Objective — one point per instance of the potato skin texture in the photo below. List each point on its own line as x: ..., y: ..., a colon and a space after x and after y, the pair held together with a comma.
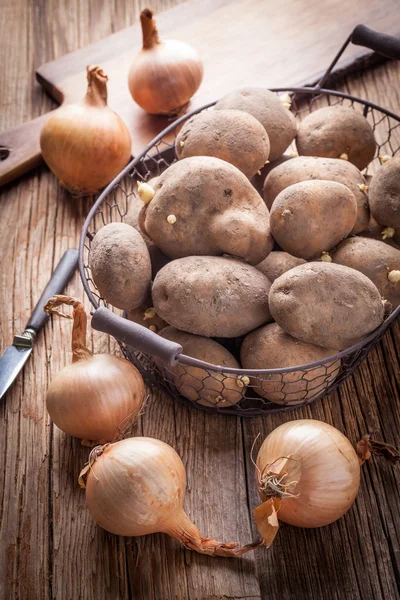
x: 121, y: 266
x: 212, y: 296
x: 384, y: 193
x: 306, y: 168
x: 217, y: 212
x: 269, y: 347
x: 207, y: 388
x: 278, y: 263
x: 259, y: 179
x: 335, y: 130
x: 311, y: 217
x: 373, y: 258
x: 266, y: 107
x: 326, y: 304
x: 232, y: 135
x: 158, y: 258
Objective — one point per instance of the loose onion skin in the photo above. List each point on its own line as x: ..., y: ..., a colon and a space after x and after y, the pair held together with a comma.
x: 95, y: 398
x: 136, y: 487
x: 86, y: 144
x: 164, y: 75
x: 320, y: 470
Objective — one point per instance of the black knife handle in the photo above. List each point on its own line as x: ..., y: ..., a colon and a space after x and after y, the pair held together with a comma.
x: 61, y: 276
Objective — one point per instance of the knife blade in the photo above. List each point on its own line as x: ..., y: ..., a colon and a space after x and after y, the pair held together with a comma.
x: 15, y: 356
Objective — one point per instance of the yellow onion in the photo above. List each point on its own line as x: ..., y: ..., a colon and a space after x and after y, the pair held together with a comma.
x: 164, y: 75
x: 86, y: 144
x: 136, y: 487
x: 96, y: 397
x: 308, y: 473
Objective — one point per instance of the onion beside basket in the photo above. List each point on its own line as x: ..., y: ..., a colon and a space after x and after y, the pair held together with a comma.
x: 153, y: 355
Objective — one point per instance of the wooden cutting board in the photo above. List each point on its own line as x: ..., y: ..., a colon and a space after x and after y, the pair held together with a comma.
x: 242, y: 42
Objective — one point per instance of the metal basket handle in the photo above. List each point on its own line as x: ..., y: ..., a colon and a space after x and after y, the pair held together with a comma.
x: 134, y: 335
x: 384, y: 44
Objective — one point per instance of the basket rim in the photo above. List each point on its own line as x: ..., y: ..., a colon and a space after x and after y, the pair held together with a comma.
x: 327, y: 361
x: 188, y: 360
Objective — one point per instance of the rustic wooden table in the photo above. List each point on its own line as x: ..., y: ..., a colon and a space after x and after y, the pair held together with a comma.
x: 49, y: 547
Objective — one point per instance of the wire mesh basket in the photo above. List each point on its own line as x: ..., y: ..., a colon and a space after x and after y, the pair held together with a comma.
x: 163, y: 364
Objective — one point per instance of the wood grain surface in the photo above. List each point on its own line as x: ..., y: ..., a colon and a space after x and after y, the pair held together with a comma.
x: 239, y: 43
x: 49, y: 547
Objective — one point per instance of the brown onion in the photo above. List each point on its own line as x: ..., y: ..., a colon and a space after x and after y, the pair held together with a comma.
x: 164, y: 75
x: 86, y: 144
x: 308, y: 475
x: 95, y: 398
x: 137, y: 486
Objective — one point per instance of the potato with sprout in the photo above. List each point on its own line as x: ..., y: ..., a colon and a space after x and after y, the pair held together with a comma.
x: 232, y: 135
x: 269, y: 347
x: 205, y: 206
x: 384, y: 194
x: 208, y: 388
x: 266, y: 107
x: 158, y: 258
x: 377, y: 260
x: 337, y: 132
x: 311, y: 217
x: 306, y: 168
x: 146, y: 315
x: 326, y: 304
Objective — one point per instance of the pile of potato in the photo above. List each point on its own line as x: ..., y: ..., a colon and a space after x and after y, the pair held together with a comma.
x: 281, y: 279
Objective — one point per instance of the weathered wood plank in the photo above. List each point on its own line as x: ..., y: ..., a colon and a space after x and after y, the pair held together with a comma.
x: 49, y: 547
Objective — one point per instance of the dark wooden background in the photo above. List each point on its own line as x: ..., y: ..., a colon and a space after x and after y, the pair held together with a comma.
x: 49, y: 547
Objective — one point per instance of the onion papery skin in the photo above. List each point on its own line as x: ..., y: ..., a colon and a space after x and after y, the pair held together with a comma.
x: 163, y: 79
x: 136, y: 487
x: 96, y: 398
x: 330, y: 471
x: 86, y: 144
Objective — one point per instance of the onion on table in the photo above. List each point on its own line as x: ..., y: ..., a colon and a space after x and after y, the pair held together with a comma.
x: 164, y: 75
x: 96, y: 397
x: 86, y: 144
x: 308, y: 475
x: 136, y: 487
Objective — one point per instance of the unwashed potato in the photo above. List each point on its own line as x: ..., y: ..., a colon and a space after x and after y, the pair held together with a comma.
x: 384, y: 194
x: 382, y: 233
x: 146, y: 315
x: 232, y: 135
x: 377, y: 260
x: 208, y: 388
x: 158, y: 258
x: 304, y: 168
x: 205, y: 206
x: 311, y: 217
x: 258, y: 179
x: 212, y: 296
x: 267, y: 108
x: 121, y: 266
x: 337, y: 131
x: 278, y: 263
x: 269, y: 347
x: 326, y: 304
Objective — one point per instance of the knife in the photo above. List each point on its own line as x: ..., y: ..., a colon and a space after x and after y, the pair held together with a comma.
x: 15, y: 356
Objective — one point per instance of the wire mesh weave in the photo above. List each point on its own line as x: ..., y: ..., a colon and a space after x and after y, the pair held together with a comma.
x: 229, y: 390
